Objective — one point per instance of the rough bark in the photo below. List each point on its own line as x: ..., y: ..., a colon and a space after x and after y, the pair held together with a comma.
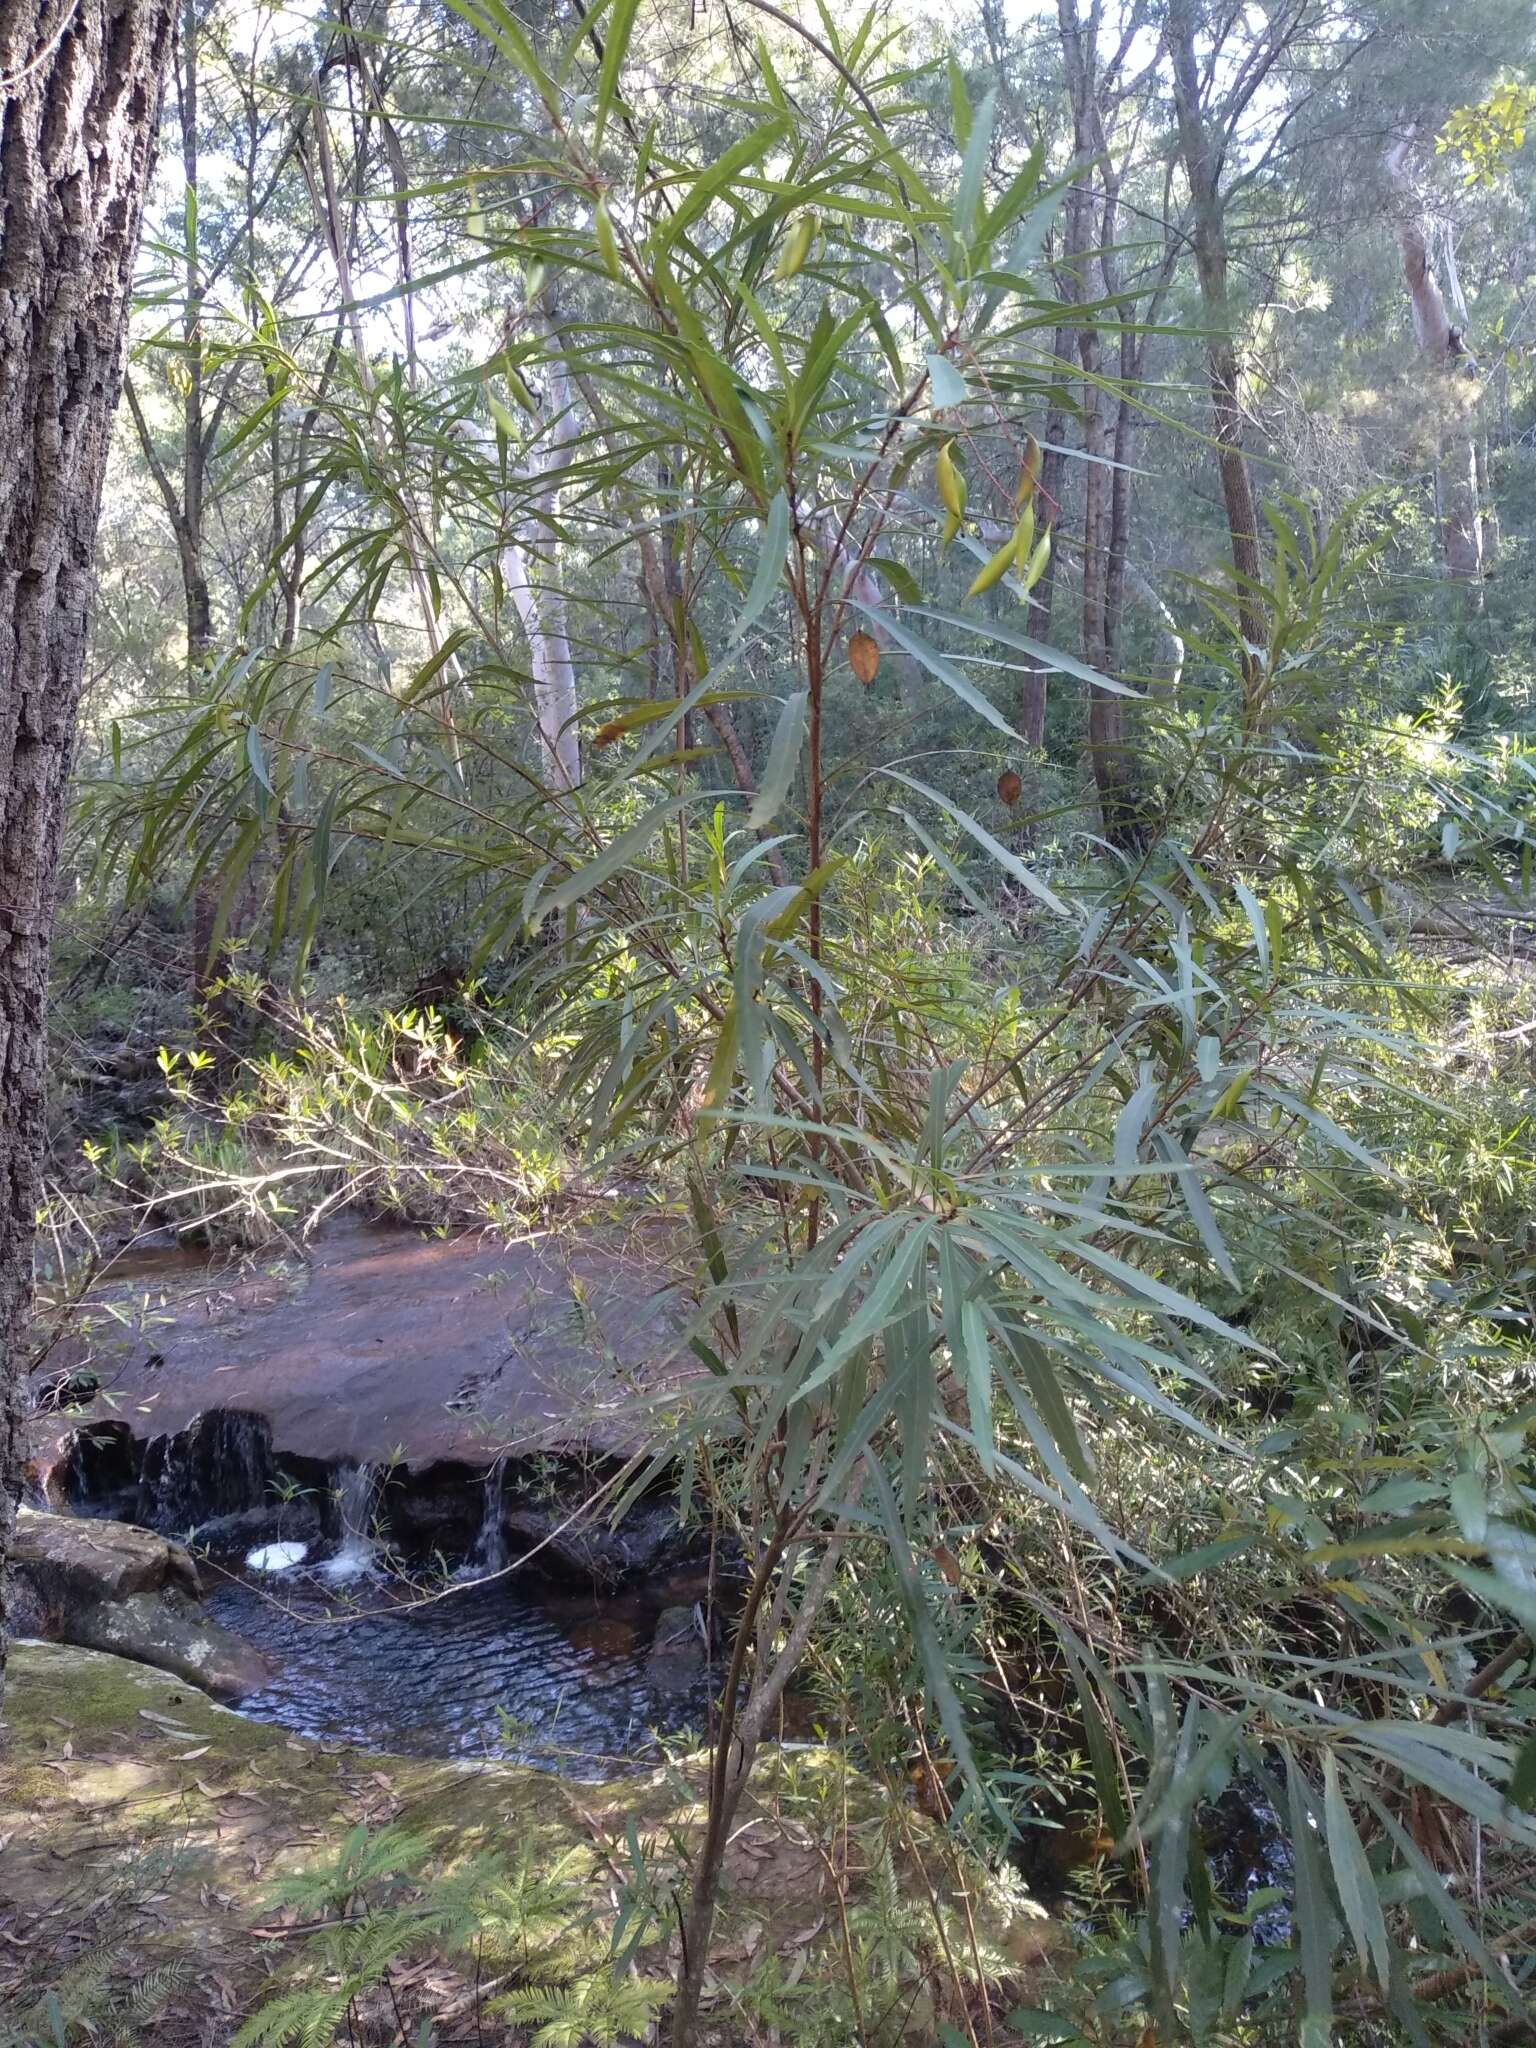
x: 1200, y: 153
x: 1443, y: 351
x: 1034, y: 685
x: 1091, y: 227
x: 82, y: 91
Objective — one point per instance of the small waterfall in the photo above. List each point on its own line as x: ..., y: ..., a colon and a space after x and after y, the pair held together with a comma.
x: 354, y: 1496
x: 220, y: 1464
x: 489, y: 1554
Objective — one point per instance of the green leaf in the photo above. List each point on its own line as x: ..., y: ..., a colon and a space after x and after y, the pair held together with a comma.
x: 1186, y: 1175
x: 1313, y: 1918
x: 783, y: 761
x: 618, y: 853
x: 256, y: 754
x: 959, y: 102
x: 972, y: 171
x: 1257, y: 923
x: 769, y: 572
x: 500, y: 26
x: 620, y: 25
x: 1521, y: 1789
x: 938, y: 665
x: 1353, y: 1877
x: 1038, y: 650
x: 965, y: 1333
x: 715, y: 178
x: 1190, y: 1563
x: 1131, y: 1122
x: 1009, y: 862
x: 1034, y: 2023
x: 899, y: 577
x: 1039, y: 1373
x: 949, y: 387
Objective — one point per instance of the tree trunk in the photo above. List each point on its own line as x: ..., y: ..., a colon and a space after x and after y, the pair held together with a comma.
x: 1202, y: 169
x: 1091, y: 224
x: 1034, y: 686
x: 538, y: 597
x: 80, y: 109
x: 1443, y: 350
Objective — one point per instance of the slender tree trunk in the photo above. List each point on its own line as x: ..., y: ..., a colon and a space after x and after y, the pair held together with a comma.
x: 1091, y: 225
x: 1443, y: 350
x: 194, y: 446
x: 82, y: 95
x: 538, y: 597
x: 1034, y: 688
x: 1202, y: 169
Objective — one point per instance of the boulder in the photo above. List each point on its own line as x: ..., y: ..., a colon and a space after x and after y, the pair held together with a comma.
x: 108, y: 1586
x: 649, y: 1540
x: 168, y: 1631
x: 67, y: 1561
x: 679, y: 1655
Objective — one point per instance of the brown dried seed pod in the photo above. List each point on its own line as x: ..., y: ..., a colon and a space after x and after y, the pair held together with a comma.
x: 864, y: 657
x: 1009, y: 787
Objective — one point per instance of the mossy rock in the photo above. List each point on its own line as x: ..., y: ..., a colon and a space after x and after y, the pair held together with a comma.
x: 172, y: 1816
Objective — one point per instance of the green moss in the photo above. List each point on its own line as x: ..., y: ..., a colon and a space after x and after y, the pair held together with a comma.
x: 115, y: 1769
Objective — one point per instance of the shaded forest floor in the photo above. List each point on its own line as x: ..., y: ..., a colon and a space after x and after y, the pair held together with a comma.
x: 142, y: 1828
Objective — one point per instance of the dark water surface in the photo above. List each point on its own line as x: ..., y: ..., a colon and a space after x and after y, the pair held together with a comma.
x: 562, y: 1682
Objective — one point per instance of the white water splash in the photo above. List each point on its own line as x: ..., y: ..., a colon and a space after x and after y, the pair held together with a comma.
x: 358, y: 1553
x: 276, y: 1557
x: 489, y: 1555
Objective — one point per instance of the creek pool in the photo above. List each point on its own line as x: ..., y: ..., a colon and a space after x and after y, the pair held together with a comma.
x: 564, y: 1681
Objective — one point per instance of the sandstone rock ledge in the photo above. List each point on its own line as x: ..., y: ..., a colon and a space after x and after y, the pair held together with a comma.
x: 139, y: 1818
x: 108, y: 1586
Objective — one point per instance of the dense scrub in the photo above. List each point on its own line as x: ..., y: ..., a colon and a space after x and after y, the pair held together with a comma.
x: 645, y: 759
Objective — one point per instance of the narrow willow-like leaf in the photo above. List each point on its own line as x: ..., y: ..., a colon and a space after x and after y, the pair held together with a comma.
x: 1352, y: 1876
x: 972, y: 171
x: 617, y: 30
x: 1008, y: 862
x: 1038, y: 650
x: 946, y: 383
x: 783, y: 760
x: 1314, y: 1917
x: 618, y: 853
x: 770, y: 565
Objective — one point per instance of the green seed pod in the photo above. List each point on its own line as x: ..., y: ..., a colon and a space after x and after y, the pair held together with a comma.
x: 1029, y: 476
x: 994, y: 570
x: 506, y: 426
x: 798, y: 246
x: 951, y: 483
x: 1038, y: 560
x: 1024, y: 539
x: 951, y: 528
x: 607, y: 246
x: 519, y: 389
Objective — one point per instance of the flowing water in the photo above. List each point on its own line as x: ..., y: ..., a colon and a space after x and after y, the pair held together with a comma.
x: 356, y: 1556
x: 489, y: 1555
x: 464, y: 1670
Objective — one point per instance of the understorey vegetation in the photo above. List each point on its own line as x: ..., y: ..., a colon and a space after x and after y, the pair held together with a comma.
x: 769, y: 625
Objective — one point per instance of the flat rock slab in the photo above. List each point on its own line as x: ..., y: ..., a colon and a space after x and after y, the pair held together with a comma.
x: 387, y: 1343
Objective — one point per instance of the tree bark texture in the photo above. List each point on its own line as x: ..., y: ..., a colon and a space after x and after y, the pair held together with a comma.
x: 1198, y: 148
x: 1090, y: 273
x: 1443, y: 351
x: 81, y: 96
